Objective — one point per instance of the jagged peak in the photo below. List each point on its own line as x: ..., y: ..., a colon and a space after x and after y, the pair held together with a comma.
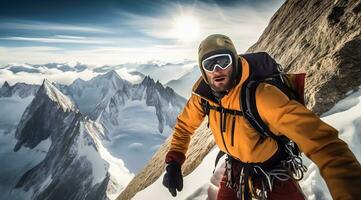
x: 6, y: 85
x: 56, y: 96
x: 148, y: 81
x: 78, y: 80
x: 159, y: 85
x: 20, y: 84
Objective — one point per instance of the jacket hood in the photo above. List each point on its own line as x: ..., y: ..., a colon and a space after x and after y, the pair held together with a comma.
x: 215, y: 44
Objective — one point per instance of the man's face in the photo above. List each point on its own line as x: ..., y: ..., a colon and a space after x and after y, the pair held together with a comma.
x: 220, y: 79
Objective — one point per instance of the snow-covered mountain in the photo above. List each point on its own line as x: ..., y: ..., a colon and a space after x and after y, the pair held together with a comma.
x: 103, y: 97
x: 66, y: 73
x: 76, y: 165
x: 13, y: 101
x: 59, y: 148
x: 139, y: 119
x: 22, y: 90
x: 88, y: 94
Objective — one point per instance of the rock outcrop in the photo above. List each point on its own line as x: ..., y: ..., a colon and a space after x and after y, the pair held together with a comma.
x: 321, y: 38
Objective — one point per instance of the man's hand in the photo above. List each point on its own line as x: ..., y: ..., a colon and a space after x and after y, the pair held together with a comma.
x: 173, y: 178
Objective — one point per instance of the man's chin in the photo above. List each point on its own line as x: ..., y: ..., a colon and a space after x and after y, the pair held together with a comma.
x: 222, y: 88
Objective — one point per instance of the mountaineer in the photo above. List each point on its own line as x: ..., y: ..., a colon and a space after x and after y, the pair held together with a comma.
x: 261, y: 127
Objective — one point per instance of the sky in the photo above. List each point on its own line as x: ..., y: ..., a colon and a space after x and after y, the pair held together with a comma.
x: 114, y: 32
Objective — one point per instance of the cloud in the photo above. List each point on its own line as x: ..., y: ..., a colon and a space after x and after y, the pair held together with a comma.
x: 36, y: 25
x: 68, y: 40
x: 54, y: 75
x: 96, y: 55
x: 69, y: 37
x: 124, y: 74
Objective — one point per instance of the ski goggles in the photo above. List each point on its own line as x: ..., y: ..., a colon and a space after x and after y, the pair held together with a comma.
x: 218, y: 60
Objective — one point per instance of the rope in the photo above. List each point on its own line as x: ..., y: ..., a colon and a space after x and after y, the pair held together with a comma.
x: 290, y: 168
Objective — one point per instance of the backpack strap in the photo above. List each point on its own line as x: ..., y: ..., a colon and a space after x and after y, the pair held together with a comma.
x: 205, y: 105
x: 219, y: 156
x: 248, y: 104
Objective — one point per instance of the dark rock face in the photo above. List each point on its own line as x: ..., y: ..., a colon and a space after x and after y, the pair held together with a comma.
x: 321, y: 38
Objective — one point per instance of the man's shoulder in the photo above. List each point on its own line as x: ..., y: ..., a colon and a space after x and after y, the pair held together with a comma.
x: 256, y: 55
x: 270, y: 95
x: 202, y: 89
x: 258, y: 58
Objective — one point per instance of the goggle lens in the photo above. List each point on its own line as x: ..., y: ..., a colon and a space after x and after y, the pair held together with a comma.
x: 219, y: 60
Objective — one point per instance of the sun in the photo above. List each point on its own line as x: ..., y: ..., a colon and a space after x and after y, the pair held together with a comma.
x: 186, y: 28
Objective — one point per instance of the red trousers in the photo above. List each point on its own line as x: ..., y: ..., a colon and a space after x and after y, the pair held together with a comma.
x: 289, y: 190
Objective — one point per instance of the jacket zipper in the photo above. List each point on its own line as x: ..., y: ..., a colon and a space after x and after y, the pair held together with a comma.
x: 232, y: 133
x: 221, y: 126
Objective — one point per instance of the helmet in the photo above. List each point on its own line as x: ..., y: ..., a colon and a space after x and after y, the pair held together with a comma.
x: 216, y: 44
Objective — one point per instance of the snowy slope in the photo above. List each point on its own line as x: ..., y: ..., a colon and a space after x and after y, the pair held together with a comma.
x: 345, y: 116
x: 138, y: 120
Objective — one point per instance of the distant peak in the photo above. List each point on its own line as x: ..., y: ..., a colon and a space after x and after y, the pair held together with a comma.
x: 6, y: 85
x: 78, y: 80
x: 159, y: 84
x: 148, y: 81
x: 56, y: 96
x: 111, y: 74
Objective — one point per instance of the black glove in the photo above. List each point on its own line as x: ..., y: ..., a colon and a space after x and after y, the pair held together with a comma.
x: 173, y: 178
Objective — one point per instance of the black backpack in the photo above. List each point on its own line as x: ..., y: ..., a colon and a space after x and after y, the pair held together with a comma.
x: 263, y: 69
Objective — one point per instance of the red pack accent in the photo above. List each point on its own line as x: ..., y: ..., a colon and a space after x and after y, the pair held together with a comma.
x: 300, y: 86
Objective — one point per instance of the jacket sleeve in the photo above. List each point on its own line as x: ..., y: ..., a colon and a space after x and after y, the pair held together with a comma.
x: 318, y: 140
x: 187, y: 122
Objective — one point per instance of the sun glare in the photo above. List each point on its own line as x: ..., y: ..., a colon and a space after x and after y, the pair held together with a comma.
x: 186, y: 28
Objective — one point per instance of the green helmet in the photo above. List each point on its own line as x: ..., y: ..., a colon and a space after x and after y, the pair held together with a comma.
x: 215, y: 44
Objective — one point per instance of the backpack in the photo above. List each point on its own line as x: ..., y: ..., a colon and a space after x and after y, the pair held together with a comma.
x: 263, y: 69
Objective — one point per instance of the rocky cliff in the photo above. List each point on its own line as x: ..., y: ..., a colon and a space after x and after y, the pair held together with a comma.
x: 322, y: 38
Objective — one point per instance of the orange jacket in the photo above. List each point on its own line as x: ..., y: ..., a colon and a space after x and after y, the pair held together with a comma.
x: 316, y: 139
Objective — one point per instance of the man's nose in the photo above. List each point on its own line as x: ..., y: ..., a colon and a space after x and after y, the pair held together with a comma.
x: 217, y: 68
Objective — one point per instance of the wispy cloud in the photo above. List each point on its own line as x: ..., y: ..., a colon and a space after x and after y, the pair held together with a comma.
x: 244, y: 24
x: 95, y: 55
x: 36, y: 25
x: 70, y: 37
x: 57, y: 39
